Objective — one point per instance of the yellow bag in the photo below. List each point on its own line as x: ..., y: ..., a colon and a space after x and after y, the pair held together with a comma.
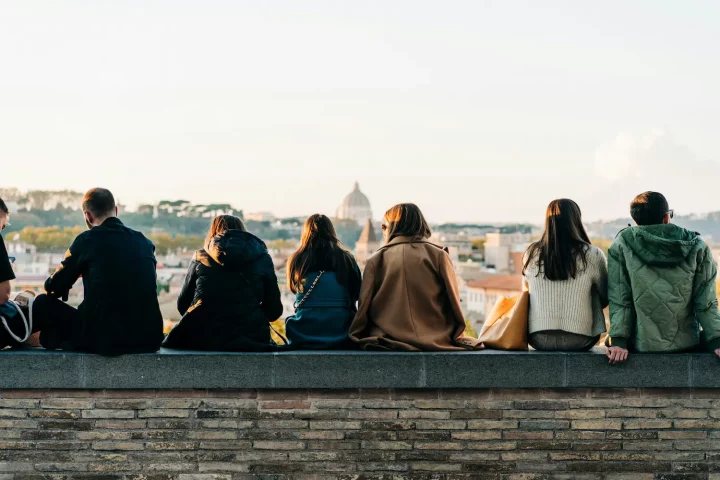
x: 506, y: 327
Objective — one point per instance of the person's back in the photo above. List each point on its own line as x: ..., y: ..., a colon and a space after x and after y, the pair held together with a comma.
x: 409, y: 298
x: 120, y: 311
x: 229, y: 297
x: 662, y: 284
x: 326, y: 281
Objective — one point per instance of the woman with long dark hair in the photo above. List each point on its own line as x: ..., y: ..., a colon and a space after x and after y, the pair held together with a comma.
x: 409, y: 297
x: 568, y: 280
x: 230, y: 294
x: 326, y: 281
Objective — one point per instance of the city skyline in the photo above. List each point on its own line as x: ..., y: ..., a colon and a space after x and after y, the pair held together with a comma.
x: 476, y: 111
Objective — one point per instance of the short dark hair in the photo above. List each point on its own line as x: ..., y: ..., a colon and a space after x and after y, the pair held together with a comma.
x: 649, y: 208
x: 99, y: 201
x: 3, y: 207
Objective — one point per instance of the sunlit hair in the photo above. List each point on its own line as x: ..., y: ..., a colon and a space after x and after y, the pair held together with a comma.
x: 319, y: 244
x: 222, y: 223
x: 406, y: 220
x: 563, y: 245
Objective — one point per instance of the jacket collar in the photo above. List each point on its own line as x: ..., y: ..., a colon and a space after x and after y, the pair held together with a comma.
x: 112, y: 222
x: 402, y: 239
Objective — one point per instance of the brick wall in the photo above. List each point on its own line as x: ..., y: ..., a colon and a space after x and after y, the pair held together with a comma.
x: 488, y: 434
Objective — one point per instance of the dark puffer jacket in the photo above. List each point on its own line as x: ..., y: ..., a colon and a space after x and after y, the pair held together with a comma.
x: 229, y: 297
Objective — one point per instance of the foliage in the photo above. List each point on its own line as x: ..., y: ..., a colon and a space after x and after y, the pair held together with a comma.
x: 470, y: 330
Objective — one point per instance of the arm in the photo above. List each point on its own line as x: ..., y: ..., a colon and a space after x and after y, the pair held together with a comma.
x: 600, y: 281
x: 70, y: 269
x: 354, y: 283
x: 271, y: 302
x: 622, y: 306
x: 187, y: 293
x: 705, y: 298
x: 362, y: 321
x: 4, y: 291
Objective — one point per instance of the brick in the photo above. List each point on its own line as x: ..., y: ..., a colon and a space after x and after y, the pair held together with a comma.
x: 439, y: 446
x: 476, y: 414
x: 265, y: 445
x: 646, y: 424
x: 100, y: 413
x: 286, y: 405
x: 67, y: 403
x: 579, y: 414
x: 163, y: 413
x: 366, y: 414
x: 397, y: 425
x: 15, y: 467
x: 320, y: 435
x: 19, y: 403
x: 117, y: 446
x: 682, y: 435
x: 434, y: 435
x: 282, y: 424
x: 13, y: 413
x: 542, y: 405
x: 478, y: 435
x: 697, y: 445
x: 203, y: 476
x: 544, y: 424
x: 522, y: 435
x: 425, y: 414
x: 380, y: 445
x: 55, y: 413
x: 335, y: 425
x: 492, y: 424
x: 697, y: 424
x: 647, y: 445
x: 492, y: 445
x: 596, y: 424
x: 121, y: 424
x: 543, y: 445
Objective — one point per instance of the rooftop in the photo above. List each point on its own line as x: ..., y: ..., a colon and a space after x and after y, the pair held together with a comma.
x: 498, y: 282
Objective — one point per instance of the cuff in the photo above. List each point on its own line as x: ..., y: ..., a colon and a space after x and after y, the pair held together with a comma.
x: 713, y: 344
x: 618, y: 342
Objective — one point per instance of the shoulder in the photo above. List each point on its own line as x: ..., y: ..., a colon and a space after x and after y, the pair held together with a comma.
x: 596, y: 253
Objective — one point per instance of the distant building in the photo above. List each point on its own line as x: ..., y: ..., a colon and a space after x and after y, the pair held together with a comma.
x: 355, y: 206
x: 482, y: 294
x: 459, y: 241
x: 504, y: 251
x: 260, y: 217
x: 366, y: 245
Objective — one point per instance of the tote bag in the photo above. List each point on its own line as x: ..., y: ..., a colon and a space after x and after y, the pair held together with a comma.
x: 506, y: 327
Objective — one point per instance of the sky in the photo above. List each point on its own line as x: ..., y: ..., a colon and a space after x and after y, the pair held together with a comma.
x: 477, y: 111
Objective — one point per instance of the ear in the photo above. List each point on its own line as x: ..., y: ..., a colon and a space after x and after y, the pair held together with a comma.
x: 88, y: 217
x: 666, y: 218
x: 116, y: 211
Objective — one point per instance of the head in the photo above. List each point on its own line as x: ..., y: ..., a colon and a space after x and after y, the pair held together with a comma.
x: 223, y: 223
x: 650, y: 208
x: 563, y: 244
x: 98, y: 205
x: 405, y: 220
x: 4, y: 215
x: 319, y: 244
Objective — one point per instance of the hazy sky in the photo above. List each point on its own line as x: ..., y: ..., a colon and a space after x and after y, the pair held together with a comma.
x: 475, y: 110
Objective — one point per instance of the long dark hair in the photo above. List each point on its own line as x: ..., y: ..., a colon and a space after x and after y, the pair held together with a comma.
x: 320, y: 249
x: 405, y: 220
x: 564, y: 242
x: 222, y: 223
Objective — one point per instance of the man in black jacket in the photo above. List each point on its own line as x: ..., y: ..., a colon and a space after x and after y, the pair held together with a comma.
x: 120, y: 311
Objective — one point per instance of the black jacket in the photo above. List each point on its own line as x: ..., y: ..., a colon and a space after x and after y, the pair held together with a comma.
x: 229, y: 297
x: 120, y: 311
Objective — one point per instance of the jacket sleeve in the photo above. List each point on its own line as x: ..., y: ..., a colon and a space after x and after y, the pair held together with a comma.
x: 449, y: 279
x: 362, y: 321
x: 187, y: 294
x: 70, y: 269
x: 271, y: 302
x: 622, y: 306
x: 600, y: 281
x: 355, y: 283
x: 705, y: 298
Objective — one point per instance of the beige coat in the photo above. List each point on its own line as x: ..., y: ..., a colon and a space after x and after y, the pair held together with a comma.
x: 409, y: 300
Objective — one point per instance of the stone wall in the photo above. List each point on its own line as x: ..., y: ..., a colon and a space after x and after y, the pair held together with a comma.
x: 377, y: 433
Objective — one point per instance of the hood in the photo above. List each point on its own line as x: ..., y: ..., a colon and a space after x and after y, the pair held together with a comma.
x: 236, y: 249
x: 661, y: 245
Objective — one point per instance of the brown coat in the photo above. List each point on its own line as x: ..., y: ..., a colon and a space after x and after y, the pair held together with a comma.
x: 409, y: 300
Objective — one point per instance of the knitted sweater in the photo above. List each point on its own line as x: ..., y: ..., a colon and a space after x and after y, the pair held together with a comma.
x: 574, y: 305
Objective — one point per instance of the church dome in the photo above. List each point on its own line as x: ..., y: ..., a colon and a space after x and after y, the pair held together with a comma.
x: 355, y: 206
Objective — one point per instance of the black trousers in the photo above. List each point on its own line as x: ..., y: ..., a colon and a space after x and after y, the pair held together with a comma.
x: 57, y: 321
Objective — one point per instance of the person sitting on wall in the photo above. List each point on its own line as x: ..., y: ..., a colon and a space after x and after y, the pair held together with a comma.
x: 568, y: 281
x: 230, y: 294
x: 120, y: 312
x: 325, y: 278
x: 661, y: 286
x: 409, y: 297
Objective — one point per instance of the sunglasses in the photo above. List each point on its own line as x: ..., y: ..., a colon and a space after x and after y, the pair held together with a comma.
x: 671, y: 213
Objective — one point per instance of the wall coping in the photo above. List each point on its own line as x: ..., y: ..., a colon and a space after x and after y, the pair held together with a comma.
x: 174, y: 369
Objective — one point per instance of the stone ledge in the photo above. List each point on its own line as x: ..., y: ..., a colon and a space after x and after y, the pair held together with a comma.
x: 172, y: 369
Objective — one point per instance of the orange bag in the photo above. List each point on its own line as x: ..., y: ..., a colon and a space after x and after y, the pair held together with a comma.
x: 506, y: 327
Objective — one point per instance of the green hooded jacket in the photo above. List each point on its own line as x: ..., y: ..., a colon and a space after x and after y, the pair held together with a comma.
x: 662, y: 289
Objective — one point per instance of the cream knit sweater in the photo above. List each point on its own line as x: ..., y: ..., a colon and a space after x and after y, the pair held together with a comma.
x: 574, y: 305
